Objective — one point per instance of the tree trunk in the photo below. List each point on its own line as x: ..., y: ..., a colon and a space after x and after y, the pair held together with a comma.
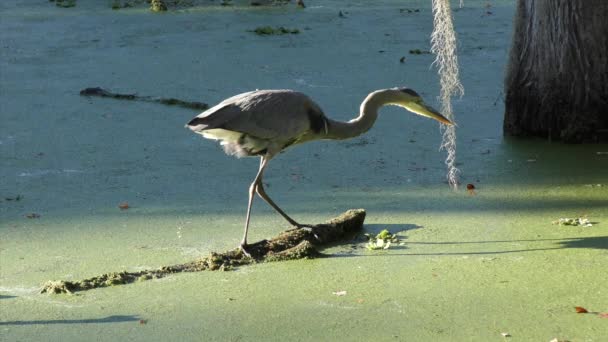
x: 557, y: 77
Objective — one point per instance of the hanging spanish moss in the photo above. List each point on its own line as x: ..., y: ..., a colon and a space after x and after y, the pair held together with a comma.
x: 443, y: 45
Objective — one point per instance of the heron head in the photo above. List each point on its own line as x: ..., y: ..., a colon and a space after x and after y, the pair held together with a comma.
x: 410, y: 100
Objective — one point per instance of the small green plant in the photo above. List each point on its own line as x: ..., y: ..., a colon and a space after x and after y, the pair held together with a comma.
x: 382, y: 240
x: 578, y: 221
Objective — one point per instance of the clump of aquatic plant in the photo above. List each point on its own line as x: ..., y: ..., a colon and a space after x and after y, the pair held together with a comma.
x: 382, y: 240
x: 158, y: 6
x: 118, y: 4
x: 64, y: 3
x: 419, y: 52
x: 577, y: 221
x: 269, y: 30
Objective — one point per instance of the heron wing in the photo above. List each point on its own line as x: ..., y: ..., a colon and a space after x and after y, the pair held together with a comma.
x: 264, y: 114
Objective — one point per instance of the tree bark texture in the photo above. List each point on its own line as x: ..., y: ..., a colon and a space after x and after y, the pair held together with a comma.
x: 556, y: 84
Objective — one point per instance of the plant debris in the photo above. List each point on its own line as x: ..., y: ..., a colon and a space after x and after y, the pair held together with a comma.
x: 471, y: 189
x: 382, y: 240
x: 97, y: 91
x: 340, y: 293
x: 419, y: 52
x: 269, y: 30
x: 64, y: 3
x: 16, y: 198
x: 32, y: 216
x: 158, y: 6
x: 288, y: 245
x: 578, y: 221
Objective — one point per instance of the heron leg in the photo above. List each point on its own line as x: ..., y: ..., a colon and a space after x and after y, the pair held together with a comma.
x: 260, y: 190
x: 262, y: 193
x: 252, y: 190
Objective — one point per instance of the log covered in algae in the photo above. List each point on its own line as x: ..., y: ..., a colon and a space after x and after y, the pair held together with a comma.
x: 288, y: 245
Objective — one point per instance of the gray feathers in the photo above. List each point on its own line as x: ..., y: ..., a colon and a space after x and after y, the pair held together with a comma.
x: 261, y: 121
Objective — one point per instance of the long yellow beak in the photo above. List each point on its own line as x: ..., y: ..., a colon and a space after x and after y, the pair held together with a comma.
x: 423, y: 109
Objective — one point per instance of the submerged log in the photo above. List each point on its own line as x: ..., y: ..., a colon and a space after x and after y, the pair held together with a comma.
x: 288, y: 245
x: 170, y: 101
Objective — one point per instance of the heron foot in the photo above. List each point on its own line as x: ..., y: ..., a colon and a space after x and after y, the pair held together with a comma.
x: 308, y: 228
x: 243, y: 248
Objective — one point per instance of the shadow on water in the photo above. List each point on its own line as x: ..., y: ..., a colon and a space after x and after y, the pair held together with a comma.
x: 594, y: 242
x: 372, y: 229
x: 393, y: 228
x: 109, y: 319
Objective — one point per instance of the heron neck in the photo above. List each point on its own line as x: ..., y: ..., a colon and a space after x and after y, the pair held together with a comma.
x: 368, y: 114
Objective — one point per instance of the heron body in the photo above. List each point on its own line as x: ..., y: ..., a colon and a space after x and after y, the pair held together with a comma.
x: 265, y: 122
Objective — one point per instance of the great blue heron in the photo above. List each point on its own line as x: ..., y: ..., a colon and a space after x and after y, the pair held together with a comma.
x: 266, y: 122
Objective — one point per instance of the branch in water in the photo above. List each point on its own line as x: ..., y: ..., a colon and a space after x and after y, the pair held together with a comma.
x: 97, y: 91
x: 288, y: 245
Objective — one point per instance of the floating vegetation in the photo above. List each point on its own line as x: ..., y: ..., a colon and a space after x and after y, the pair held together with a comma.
x: 578, y: 221
x: 419, y: 52
x: 471, y: 189
x: 158, y: 6
x: 118, y: 4
x: 167, y: 5
x: 16, y: 198
x: 64, y: 3
x: 288, y: 245
x: 170, y: 101
x: 270, y: 31
x: 382, y: 240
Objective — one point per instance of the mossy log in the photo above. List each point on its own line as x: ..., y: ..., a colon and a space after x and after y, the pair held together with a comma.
x: 288, y: 245
x: 97, y: 91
